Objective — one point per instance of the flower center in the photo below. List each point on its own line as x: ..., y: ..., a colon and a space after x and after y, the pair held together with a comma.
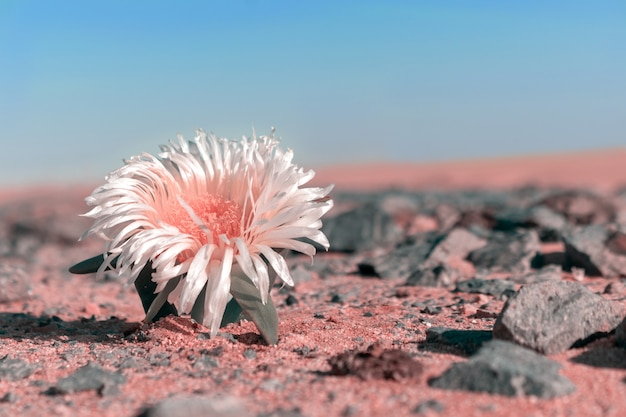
x: 205, y: 217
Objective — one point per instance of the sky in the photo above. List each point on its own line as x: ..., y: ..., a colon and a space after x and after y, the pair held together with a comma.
x: 85, y: 84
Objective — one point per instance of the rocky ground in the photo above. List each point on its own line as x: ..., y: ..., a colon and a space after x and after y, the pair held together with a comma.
x: 483, y: 301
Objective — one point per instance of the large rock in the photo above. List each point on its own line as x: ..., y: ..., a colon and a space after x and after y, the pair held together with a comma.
x: 506, y: 369
x: 597, y: 249
x: 364, y: 227
x: 551, y: 316
x: 507, y: 252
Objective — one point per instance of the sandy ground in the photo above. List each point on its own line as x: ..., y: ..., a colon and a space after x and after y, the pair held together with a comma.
x: 69, y: 321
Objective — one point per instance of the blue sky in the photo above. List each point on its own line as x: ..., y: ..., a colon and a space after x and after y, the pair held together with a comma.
x: 84, y: 84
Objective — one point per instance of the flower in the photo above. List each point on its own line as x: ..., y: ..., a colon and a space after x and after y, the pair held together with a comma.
x: 204, y: 210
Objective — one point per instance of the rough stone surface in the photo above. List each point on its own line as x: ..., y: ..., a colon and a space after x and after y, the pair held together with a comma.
x: 507, y: 252
x: 15, y: 369
x: 620, y: 334
x: 581, y: 207
x: 90, y: 377
x: 506, y: 369
x: 597, y: 249
x: 551, y: 316
x: 361, y: 228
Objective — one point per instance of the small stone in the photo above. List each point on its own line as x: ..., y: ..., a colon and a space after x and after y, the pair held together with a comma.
x: 9, y: 397
x: 507, y: 369
x: 250, y: 354
x: 15, y: 283
x: 551, y: 316
x: 197, y: 407
x: 376, y: 363
x: 290, y: 300
x: 15, y: 369
x: 90, y: 377
x: 496, y: 287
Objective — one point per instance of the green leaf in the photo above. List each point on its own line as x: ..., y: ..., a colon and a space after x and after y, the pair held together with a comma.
x: 90, y: 266
x: 264, y: 316
x: 160, y: 299
x: 145, y: 288
x: 231, y: 313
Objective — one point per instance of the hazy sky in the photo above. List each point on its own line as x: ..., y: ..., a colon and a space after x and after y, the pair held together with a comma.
x: 84, y: 84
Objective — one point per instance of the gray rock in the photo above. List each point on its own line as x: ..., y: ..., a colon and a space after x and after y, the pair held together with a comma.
x: 496, y: 287
x: 467, y: 341
x: 458, y: 243
x: 197, y: 407
x: 15, y: 369
x: 596, y: 249
x: 547, y: 273
x: 361, y: 228
x: 506, y: 369
x: 581, y: 207
x: 548, y: 223
x: 90, y: 377
x: 437, y: 276
x: 404, y: 260
x: 507, y: 252
x: 15, y: 283
x: 551, y: 316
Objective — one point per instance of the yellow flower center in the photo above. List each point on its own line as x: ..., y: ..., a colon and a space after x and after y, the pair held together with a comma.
x: 205, y: 217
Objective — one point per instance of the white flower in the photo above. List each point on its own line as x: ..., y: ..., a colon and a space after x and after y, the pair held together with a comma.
x: 200, y: 208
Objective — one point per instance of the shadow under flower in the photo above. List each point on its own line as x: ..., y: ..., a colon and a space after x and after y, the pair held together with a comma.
x: 27, y: 326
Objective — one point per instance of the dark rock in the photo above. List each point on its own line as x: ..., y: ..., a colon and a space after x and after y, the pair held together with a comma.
x: 437, y: 276
x: 90, y: 377
x: 376, y: 363
x: 496, y: 287
x: 9, y: 397
x: 197, y: 407
x: 481, y: 217
x: 581, y: 207
x: 364, y: 227
x: 595, y: 248
x: 547, y: 273
x: 506, y: 369
x: 291, y: 300
x: 15, y: 369
x: 620, y: 334
x: 250, y: 354
x: 551, y: 316
x: 14, y: 283
x: 405, y: 259
x: 432, y: 310
x: 507, y: 252
x: 467, y: 341
x: 548, y: 223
